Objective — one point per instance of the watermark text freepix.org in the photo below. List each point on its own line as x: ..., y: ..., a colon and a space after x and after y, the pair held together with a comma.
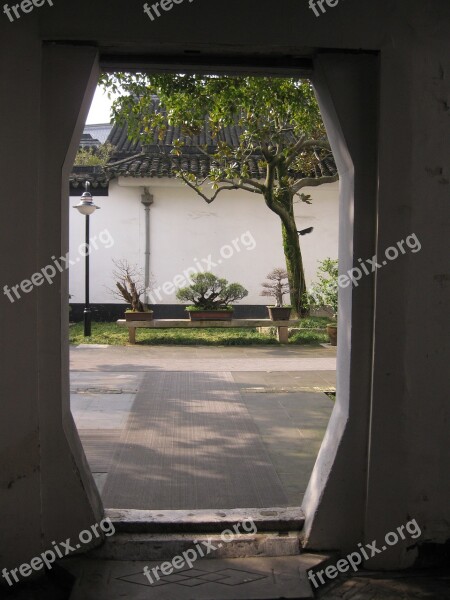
x: 26, y: 6
x: 202, y: 548
x: 314, y: 5
x: 366, y: 552
x: 245, y: 240
x: 58, y: 265
x: 371, y: 265
x: 153, y: 10
x: 47, y: 558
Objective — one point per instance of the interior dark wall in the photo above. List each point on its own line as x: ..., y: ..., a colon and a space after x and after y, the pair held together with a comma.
x: 48, y: 70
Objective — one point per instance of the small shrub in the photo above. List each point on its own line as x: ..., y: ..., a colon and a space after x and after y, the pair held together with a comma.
x: 324, y: 293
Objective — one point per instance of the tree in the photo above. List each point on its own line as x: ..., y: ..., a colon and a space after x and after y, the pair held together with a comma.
x: 95, y: 156
x: 129, y: 284
x: 276, y: 286
x: 279, y: 127
x: 210, y: 292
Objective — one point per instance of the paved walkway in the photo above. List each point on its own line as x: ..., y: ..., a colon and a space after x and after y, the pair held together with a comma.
x: 200, y: 427
x: 191, y: 436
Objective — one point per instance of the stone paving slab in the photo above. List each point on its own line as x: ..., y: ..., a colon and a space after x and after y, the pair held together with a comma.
x: 226, y: 579
x: 100, y: 382
x: 101, y: 411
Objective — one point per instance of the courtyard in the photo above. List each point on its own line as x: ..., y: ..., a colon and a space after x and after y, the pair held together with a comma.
x: 177, y: 427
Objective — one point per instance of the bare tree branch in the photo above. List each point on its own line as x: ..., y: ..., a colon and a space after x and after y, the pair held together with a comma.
x: 231, y: 186
x: 211, y: 199
x: 258, y: 186
x: 313, y: 182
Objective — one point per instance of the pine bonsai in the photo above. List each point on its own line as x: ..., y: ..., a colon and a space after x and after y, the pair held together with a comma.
x: 209, y: 292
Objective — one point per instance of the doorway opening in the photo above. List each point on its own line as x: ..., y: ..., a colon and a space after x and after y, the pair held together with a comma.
x: 205, y: 418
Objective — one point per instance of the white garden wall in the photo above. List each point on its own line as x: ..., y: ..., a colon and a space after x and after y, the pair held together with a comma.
x: 237, y: 232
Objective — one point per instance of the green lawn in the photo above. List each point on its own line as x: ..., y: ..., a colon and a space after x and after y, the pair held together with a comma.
x: 110, y: 333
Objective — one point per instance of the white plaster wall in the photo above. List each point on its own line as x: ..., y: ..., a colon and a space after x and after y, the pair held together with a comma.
x: 237, y: 232
x: 323, y: 215
x: 116, y: 228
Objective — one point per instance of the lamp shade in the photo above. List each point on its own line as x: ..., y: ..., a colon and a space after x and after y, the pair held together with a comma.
x: 86, y: 205
x: 86, y: 208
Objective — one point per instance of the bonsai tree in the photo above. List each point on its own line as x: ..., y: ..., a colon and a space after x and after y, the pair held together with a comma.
x: 129, y: 285
x: 209, y: 292
x: 324, y: 293
x: 276, y: 286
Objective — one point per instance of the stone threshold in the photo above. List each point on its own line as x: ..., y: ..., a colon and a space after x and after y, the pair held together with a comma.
x: 205, y: 521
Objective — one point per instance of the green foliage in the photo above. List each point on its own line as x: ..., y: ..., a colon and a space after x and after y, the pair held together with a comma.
x: 309, y: 337
x: 274, y: 115
x: 324, y: 293
x: 88, y: 157
x: 209, y: 292
x: 317, y: 323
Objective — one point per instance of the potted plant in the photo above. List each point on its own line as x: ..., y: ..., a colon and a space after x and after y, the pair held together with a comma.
x: 130, y: 288
x: 211, y: 297
x: 276, y: 287
x: 324, y: 293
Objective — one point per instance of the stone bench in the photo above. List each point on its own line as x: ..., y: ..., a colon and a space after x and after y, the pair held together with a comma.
x: 282, y: 326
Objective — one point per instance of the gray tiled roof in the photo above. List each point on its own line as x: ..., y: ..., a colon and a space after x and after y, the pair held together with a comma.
x: 130, y: 159
x: 96, y: 176
x: 99, y: 131
x: 160, y: 164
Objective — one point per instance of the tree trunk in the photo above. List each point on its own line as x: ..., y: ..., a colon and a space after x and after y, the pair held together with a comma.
x: 279, y: 197
x: 294, y: 265
x: 281, y: 202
